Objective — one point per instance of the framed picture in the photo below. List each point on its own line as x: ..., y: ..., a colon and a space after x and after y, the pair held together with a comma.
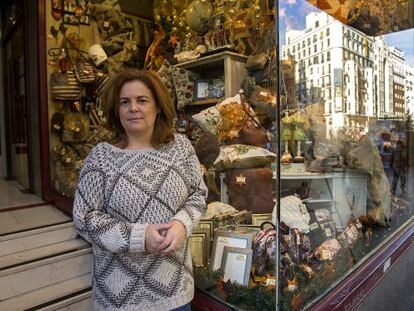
x: 84, y: 20
x: 242, y: 228
x: 199, y: 244
x: 206, y: 224
x: 258, y: 219
x: 71, y: 19
x: 201, y: 89
x: 69, y: 6
x: 236, y: 264
x: 226, y: 238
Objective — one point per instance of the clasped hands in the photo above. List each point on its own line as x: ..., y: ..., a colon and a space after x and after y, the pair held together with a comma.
x: 164, y: 239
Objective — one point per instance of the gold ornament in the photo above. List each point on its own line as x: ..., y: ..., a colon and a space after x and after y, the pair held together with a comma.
x: 241, y: 180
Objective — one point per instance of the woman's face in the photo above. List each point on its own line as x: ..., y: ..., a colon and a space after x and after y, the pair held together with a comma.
x: 137, y: 109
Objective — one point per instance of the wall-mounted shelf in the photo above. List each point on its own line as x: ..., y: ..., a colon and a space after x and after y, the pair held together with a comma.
x: 225, y: 64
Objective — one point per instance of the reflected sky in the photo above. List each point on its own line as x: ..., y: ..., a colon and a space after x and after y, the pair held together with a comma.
x: 292, y: 15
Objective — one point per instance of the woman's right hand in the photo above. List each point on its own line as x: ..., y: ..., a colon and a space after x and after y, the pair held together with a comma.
x: 154, y: 236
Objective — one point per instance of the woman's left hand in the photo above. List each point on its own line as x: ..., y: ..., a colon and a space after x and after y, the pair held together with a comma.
x: 174, y: 238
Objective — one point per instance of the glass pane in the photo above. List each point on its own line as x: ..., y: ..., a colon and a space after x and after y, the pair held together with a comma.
x: 347, y: 147
x: 239, y: 270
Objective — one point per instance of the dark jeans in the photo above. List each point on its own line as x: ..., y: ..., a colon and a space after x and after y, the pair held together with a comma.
x: 186, y: 307
x: 398, y: 175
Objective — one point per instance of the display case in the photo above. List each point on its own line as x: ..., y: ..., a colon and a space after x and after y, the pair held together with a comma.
x: 307, y: 153
x: 342, y: 209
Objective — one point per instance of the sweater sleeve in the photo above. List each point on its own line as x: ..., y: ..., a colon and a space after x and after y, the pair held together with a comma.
x: 90, y: 218
x: 195, y: 205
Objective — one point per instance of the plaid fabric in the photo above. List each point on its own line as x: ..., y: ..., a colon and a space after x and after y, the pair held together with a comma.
x: 84, y: 72
x: 64, y: 86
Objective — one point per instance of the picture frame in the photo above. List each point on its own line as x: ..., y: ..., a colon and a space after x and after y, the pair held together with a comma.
x: 206, y: 224
x: 201, y: 89
x: 243, y: 228
x: 258, y: 219
x: 227, y: 238
x: 237, y: 263
x: 70, y: 19
x: 199, y: 244
x: 69, y: 6
x: 84, y: 20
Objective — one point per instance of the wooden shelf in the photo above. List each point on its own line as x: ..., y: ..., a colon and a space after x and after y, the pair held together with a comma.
x: 226, y: 64
x: 211, y: 101
x: 211, y: 60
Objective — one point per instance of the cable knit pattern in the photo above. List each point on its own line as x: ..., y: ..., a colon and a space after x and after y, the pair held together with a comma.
x: 119, y: 193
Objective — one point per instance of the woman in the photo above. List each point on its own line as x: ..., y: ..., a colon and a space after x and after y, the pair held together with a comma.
x: 138, y: 201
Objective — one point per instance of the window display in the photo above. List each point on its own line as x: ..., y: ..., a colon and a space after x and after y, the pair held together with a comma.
x: 309, y: 174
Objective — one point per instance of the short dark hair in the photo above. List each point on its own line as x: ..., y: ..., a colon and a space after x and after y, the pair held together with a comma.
x: 163, y: 129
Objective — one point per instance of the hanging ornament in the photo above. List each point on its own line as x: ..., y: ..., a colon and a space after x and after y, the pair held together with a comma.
x: 173, y: 40
x: 198, y: 15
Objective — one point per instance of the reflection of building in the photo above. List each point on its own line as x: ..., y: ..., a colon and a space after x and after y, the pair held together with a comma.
x: 289, y: 84
x: 357, y: 95
x: 383, y: 79
x: 409, y: 89
x: 398, y: 83
x: 332, y: 68
x: 354, y: 76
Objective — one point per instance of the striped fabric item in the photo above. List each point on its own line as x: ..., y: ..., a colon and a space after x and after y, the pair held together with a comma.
x: 84, y: 72
x: 101, y: 82
x: 64, y: 86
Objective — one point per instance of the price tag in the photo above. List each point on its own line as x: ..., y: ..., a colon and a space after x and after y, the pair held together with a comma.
x: 270, y: 281
x: 100, y: 113
x: 263, y: 94
x: 68, y: 160
x: 358, y: 224
x: 57, y: 127
x: 328, y: 232
x: 326, y: 254
x: 303, y: 208
x: 313, y: 226
x: 106, y: 24
x: 100, y: 74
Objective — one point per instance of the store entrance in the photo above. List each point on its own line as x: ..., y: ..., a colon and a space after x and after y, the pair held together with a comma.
x: 15, y: 108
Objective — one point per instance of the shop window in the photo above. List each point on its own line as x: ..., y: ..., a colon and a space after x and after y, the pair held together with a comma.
x: 328, y: 222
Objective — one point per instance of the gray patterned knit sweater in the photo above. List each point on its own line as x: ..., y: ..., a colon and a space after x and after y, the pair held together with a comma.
x: 119, y: 193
